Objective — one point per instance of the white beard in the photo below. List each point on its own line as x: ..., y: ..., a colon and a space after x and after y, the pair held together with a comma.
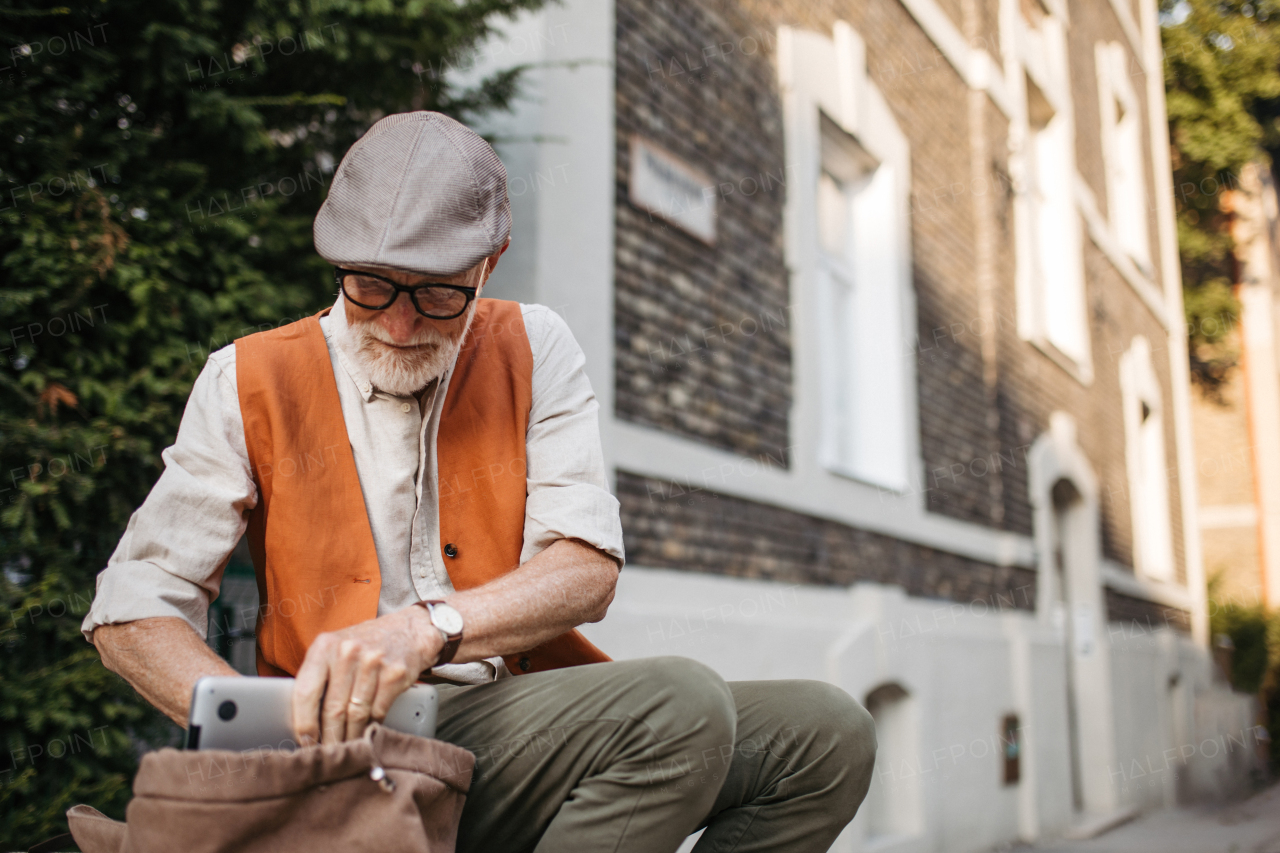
x: 402, y: 372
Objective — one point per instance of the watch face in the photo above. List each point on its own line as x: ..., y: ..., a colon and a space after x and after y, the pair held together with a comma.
x: 446, y: 619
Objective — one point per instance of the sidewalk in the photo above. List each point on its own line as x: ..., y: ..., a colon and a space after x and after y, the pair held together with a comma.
x: 1249, y: 827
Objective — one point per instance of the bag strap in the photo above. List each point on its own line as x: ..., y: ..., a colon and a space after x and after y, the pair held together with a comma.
x: 52, y: 845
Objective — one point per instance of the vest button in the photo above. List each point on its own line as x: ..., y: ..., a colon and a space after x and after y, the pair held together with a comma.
x: 450, y: 551
x: 524, y: 664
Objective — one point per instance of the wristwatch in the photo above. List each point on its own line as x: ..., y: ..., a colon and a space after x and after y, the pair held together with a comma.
x: 448, y: 621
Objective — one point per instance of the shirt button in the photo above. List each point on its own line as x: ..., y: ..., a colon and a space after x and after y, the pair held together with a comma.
x: 450, y: 551
x: 525, y: 664
x: 404, y: 407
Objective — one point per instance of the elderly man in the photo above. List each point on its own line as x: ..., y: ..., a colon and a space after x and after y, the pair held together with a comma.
x: 420, y: 477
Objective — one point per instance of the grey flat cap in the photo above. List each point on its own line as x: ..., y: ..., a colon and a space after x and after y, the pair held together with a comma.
x: 418, y: 192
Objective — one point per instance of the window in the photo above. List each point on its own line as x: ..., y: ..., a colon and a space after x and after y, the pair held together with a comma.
x: 1146, y: 463
x: 848, y: 237
x: 1050, y: 264
x: 1056, y: 254
x: 1122, y: 151
x: 864, y: 423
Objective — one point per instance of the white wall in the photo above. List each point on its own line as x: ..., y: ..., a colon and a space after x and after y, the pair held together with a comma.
x: 557, y: 145
x: 965, y: 666
x: 1182, y: 734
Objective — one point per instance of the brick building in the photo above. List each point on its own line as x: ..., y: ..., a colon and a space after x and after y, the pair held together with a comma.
x: 1238, y: 457
x: 882, y: 307
x: 881, y: 304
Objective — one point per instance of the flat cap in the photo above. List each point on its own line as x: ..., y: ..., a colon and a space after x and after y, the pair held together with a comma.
x: 418, y: 192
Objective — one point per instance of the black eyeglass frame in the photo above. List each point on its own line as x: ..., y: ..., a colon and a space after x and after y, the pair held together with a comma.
x: 340, y: 274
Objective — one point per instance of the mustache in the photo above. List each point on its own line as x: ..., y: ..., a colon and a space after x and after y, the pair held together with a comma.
x: 369, y: 330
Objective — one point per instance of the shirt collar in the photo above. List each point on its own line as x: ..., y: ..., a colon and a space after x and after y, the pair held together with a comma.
x: 336, y: 332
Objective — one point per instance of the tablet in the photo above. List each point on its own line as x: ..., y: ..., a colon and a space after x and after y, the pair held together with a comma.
x: 242, y: 713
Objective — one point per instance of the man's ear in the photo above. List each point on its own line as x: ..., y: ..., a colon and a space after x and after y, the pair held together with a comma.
x: 492, y: 261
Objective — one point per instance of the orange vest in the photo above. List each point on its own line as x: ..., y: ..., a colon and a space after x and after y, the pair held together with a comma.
x: 309, y: 535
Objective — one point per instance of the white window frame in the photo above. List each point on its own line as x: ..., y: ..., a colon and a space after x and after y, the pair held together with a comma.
x: 1147, y: 464
x: 1122, y: 150
x: 1052, y: 308
x: 855, y: 308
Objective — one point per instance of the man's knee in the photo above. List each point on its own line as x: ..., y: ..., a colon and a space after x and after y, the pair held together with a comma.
x: 695, y: 699
x: 844, y: 733
x: 857, y: 733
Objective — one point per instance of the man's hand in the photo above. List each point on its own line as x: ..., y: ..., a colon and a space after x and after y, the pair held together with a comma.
x: 566, y: 584
x: 358, y: 672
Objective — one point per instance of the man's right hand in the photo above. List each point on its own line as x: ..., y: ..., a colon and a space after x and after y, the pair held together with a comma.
x: 351, y: 677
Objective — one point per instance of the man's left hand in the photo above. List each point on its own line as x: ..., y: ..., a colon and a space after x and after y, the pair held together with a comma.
x: 350, y: 677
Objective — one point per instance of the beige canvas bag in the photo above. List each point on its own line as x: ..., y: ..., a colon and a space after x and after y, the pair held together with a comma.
x: 387, y: 792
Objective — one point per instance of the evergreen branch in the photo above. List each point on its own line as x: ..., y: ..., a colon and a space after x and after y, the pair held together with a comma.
x: 297, y: 99
x: 35, y: 13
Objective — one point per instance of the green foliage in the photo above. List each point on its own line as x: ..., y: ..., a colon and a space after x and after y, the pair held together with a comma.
x: 1255, y: 656
x: 160, y: 166
x: 1211, y: 310
x: 1248, y: 628
x: 1222, y: 85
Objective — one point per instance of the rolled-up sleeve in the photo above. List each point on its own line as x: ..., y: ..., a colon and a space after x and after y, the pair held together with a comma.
x: 173, y: 553
x: 568, y: 491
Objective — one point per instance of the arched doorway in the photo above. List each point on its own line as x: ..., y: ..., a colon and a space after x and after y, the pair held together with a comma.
x: 1066, y: 501
x: 892, y: 805
x: 1070, y: 600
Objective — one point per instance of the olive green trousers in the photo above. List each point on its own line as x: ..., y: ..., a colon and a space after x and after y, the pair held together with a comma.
x: 633, y: 756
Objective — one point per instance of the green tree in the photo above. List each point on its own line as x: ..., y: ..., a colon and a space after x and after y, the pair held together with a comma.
x: 1222, y: 84
x: 160, y: 166
x: 1254, y: 635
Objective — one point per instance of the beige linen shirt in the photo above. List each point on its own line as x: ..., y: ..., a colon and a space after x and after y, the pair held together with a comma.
x: 177, y: 544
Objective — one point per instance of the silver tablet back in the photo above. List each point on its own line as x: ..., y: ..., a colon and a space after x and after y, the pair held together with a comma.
x: 241, y: 713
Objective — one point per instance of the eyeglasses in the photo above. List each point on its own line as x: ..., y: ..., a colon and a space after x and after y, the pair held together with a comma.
x: 436, y: 301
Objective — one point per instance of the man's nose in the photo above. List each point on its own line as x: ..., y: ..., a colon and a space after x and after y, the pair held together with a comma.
x: 401, y: 320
